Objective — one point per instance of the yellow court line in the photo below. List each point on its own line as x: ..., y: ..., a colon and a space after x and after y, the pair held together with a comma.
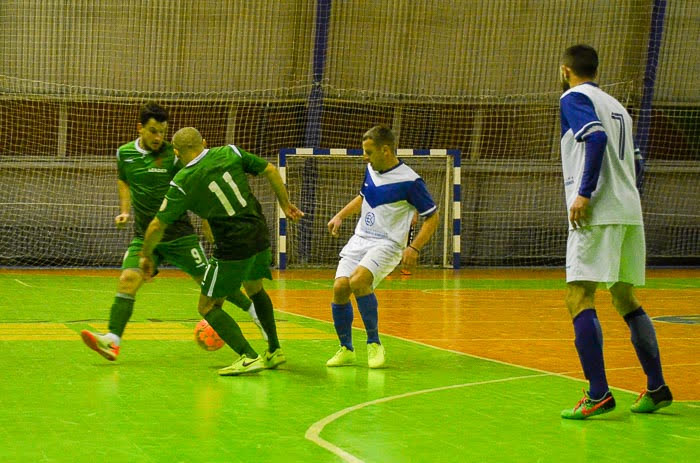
x: 11, y: 327
x: 155, y: 331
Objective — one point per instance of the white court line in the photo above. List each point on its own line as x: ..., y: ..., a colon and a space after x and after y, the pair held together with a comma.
x: 500, y: 362
x: 567, y: 375
x: 314, y: 431
x: 23, y: 283
x: 684, y: 437
x: 312, y: 282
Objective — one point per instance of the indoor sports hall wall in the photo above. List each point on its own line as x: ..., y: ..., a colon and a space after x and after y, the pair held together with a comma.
x: 480, y: 77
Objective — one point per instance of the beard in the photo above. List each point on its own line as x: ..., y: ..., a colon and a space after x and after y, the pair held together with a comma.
x: 155, y: 147
x: 565, y: 86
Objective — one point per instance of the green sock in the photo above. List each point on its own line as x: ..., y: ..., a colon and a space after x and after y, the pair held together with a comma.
x: 227, y: 328
x: 263, y: 306
x: 120, y: 313
x: 239, y: 299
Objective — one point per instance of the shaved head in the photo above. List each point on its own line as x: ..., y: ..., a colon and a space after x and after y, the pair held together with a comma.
x: 188, y: 140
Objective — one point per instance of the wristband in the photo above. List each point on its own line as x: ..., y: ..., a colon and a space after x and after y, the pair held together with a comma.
x: 417, y: 250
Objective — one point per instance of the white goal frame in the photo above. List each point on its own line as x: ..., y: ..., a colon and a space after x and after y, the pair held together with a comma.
x: 455, y: 188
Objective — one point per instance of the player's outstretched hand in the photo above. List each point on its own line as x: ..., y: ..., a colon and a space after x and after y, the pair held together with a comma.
x: 121, y: 220
x: 334, y: 226
x: 147, y: 267
x: 293, y: 212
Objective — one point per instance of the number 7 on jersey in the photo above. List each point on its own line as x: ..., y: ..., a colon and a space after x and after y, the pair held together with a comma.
x: 621, y: 119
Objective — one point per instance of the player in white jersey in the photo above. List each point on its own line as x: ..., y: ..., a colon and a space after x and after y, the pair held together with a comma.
x: 606, y: 232
x: 390, y: 195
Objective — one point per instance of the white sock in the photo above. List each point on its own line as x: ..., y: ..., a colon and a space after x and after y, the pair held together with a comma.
x: 113, y: 338
x: 254, y: 315
x: 251, y: 311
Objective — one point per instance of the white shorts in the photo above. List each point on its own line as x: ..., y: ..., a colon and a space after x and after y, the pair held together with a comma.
x: 606, y: 253
x: 379, y: 257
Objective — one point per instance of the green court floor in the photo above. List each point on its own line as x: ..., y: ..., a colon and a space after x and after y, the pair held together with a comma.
x: 162, y: 401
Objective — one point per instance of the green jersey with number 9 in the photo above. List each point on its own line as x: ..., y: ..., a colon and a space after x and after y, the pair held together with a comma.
x: 215, y: 187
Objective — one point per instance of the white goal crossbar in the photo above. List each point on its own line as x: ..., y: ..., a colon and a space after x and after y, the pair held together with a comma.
x: 452, y: 194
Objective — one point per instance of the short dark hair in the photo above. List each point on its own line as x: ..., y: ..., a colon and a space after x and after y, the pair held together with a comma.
x: 152, y: 111
x: 582, y: 59
x: 381, y: 135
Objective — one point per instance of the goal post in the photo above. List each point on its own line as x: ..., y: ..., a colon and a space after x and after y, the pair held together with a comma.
x: 320, y: 181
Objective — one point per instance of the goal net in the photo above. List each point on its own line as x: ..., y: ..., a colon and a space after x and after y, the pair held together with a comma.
x: 478, y: 77
x: 322, y: 181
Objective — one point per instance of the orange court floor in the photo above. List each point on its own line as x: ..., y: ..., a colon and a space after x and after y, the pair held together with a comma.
x: 515, y: 316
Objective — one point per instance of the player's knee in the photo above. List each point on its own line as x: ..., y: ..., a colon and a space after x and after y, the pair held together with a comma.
x: 572, y: 299
x: 624, y: 305
x: 206, y: 305
x: 341, y: 289
x: 359, y: 285
x: 361, y: 281
x: 130, y: 281
x: 579, y: 298
x: 252, y: 287
x: 623, y: 299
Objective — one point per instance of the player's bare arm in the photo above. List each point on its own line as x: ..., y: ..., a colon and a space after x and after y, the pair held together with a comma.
x: 273, y: 176
x: 351, y: 208
x: 124, y: 204
x: 154, y: 233
x: 412, y: 251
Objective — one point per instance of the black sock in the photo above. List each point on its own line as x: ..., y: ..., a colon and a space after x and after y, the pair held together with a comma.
x: 643, y: 338
x: 263, y: 306
x: 227, y: 328
x: 239, y: 300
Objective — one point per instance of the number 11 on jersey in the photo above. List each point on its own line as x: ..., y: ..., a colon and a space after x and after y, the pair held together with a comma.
x: 216, y: 189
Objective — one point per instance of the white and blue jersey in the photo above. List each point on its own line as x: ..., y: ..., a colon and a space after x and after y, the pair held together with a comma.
x: 390, y: 199
x: 586, y: 109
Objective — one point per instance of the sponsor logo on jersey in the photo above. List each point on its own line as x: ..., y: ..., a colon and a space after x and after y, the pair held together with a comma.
x: 159, y: 170
x: 369, y: 219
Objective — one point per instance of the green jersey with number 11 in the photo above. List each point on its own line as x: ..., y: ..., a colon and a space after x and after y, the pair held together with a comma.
x: 215, y: 187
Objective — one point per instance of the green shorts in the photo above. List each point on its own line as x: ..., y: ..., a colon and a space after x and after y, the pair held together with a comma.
x: 224, y: 277
x: 186, y: 253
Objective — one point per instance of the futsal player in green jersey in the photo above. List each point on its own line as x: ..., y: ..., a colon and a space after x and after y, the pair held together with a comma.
x: 145, y: 168
x: 214, y: 185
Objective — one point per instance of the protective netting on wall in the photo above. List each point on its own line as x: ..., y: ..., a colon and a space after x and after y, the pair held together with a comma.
x: 480, y: 77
